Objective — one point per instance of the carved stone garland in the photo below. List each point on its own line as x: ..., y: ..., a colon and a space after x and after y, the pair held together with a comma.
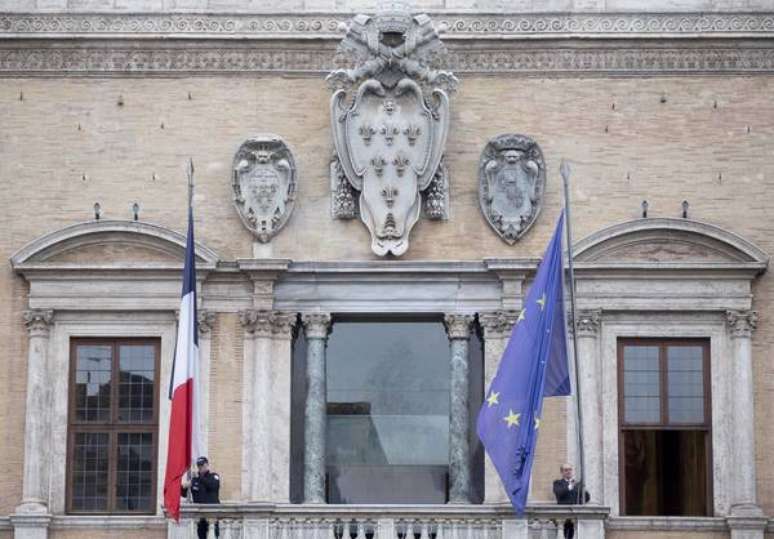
x: 390, y: 119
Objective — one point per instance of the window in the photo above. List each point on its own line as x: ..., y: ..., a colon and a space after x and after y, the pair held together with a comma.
x: 388, y: 392
x: 664, y: 416
x: 113, y: 426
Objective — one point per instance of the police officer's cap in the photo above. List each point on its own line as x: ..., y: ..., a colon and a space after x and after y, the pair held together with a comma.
x: 201, y: 461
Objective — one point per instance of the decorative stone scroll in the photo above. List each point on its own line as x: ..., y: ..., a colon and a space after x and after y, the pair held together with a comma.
x: 264, y: 185
x: 390, y: 118
x: 512, y: 178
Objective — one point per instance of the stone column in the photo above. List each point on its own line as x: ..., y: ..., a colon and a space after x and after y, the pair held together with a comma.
x: 31, y: 520
x: 497, y: 330
x: 746, y: 516
x: 281, y: 365
x: 587, y: 363
x: 316, y: 328
x: 206, y: 323
x: 458, y: 329
x: 256, y: 397
x: 36, y: 443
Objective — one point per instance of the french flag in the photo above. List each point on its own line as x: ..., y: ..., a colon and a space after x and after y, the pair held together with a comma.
x: 184, y: 437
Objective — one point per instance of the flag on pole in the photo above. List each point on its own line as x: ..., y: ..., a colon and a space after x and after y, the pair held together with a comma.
x: 533, y: 366
x: 183, y: 442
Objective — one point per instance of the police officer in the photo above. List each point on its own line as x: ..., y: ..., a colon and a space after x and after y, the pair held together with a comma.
x: 205, y: 488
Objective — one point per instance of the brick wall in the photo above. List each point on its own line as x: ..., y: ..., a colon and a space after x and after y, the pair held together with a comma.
x: 52, y: 172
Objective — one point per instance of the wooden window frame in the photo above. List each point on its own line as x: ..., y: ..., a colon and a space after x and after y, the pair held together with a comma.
x: 664, y: 424
x: 112, y: 427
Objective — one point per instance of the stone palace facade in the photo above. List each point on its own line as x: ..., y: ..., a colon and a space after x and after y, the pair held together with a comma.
x: 374, y: 185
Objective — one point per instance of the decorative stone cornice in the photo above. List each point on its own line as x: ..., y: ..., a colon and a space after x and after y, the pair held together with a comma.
x: 206, y: 321
x: 498, y: 324
x: 455, y: 26
x: 38, y: 321
x: 587, y: 322
x: 741, y: 323
x: 257, y: 322
x: 458, y: 326
x: 316, y: 325
x: 310, y: 58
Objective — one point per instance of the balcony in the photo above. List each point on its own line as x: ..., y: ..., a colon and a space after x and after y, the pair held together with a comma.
x: 286, y: 521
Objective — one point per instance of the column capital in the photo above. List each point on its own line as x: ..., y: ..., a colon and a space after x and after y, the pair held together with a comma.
x: 38, y: 321
x: 587, y: 322
x: 316, y: 325
x: 498, y: 324
x: 206, y: 320
x: 458, y: 325
x: 282, y: 324
x: 741, y: 323
x: 257, y: 322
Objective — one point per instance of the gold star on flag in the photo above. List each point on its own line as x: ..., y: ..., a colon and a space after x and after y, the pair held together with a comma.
x: 537, y: 423
x: 521, y: 316
x: 492, y: 399
x: 512, y: 419
x: 542, y: 301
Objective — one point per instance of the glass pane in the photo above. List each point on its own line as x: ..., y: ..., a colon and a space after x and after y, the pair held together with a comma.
x: 92, y: 382
x: 90, y: 471
x: 641, y: 384
x: 685, y: 383
x: 666, y: 472
x: 388, y: 412
x: 136, y: 392
x: 134, y: 473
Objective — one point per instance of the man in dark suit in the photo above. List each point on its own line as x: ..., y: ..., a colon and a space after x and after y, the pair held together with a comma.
x: 567, y: 492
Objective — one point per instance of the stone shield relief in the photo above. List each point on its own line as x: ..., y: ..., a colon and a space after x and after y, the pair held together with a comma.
x: 512, y: 178
x: 390, y: 119
x: 264, y: 185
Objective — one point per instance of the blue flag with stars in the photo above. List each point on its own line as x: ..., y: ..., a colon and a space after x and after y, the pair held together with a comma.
x: 533, y: 366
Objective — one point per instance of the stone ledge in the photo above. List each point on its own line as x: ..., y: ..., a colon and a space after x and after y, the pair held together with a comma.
x: 667, y: 523
x: 113, y: 522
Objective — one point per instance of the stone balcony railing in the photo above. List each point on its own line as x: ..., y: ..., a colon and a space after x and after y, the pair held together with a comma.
x: 270, y: 521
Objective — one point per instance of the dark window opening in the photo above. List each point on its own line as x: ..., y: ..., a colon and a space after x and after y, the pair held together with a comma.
x: 665, y: 434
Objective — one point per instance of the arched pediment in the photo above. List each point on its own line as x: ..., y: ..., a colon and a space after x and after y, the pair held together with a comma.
x: 660, y: 240
x: 110, y: 243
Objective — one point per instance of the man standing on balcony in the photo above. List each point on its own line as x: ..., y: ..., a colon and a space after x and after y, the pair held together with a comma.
x: 205, y: 488
x: 567, y: 492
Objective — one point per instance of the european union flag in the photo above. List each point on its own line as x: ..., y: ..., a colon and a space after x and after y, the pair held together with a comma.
x: 533, y: 366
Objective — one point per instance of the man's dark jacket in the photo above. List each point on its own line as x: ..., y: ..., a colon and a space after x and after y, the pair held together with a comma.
x: 204, y: 488
x: 565, y: 495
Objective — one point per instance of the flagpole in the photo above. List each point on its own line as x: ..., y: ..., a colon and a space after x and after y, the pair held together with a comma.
x: 190, y: 182
x: 564, y: 170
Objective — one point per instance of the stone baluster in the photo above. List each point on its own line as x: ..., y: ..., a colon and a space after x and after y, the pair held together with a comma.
x: 458, y: 328
x: 497, y: 330
x: 316, y: 328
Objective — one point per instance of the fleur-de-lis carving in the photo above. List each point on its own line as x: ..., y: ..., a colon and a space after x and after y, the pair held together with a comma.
x: 388, y: 194
x: 378, y: 163
x: 389, y: 131
x: 412, y: 132
x: 366, y: 132
x: 400, y: 162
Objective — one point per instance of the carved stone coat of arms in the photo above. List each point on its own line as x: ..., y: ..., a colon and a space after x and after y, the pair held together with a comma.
x: 264, y: 185
x: 390, y: 119
x: 512, y: 177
